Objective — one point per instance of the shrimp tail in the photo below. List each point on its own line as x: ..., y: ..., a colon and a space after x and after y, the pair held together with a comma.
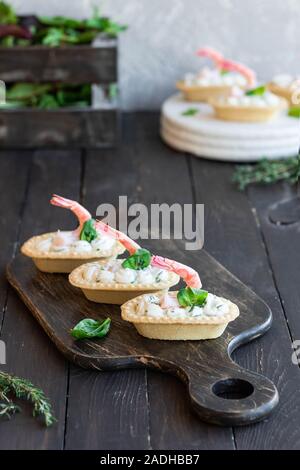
x: 212, y: 54
x: 189, y: 275
x: 232, y: 66
x: 81, y: 213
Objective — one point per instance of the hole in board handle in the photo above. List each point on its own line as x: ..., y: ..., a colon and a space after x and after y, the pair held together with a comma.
x: 233, y: 389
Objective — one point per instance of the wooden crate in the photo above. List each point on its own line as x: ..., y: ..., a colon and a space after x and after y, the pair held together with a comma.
x: 95, y: 126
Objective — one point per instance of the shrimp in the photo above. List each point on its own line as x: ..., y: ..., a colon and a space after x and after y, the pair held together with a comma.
x: 232, y: 66
x: 169, y: 300
x: 81, y: 213
x: 189, y: 275
x: 127, y: 242
x: 212, y: 54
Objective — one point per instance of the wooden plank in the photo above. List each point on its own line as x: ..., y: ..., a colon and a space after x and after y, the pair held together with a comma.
x: 30, y: 353
x: 74, y: 128
x: 14, y: 167
x: 283, y: 247
x: 114, y: 411
x: 73, y: 64
x: 164, y: 177
x: 232, y: 236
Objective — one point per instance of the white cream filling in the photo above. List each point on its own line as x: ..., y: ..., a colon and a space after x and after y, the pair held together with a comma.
x: 113, y: 271
x: 266, y: 100
x: 103, y: 243
x: 153, y: 306
x: 65, y: 241
x: 208, y: 77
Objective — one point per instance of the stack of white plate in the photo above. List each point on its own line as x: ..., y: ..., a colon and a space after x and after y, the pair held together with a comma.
x: 205, y: 136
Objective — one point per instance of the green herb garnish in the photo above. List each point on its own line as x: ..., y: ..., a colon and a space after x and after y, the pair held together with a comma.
x: 7, y: 14
x: 294, y: 111
x: 21, y: 388
x: 53, y: 31
x: 189, y: 297
x: 267, y: 172
x: 139, y: 260
x: 259, y: 91
x: 89, y: 328
x: 48, y: 95
x: 224, y: 72
x: 89, y: 232
x: 190, y: 112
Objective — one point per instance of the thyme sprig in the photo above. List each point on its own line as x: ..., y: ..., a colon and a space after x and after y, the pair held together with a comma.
x: 267, y: 172
x: 23, y: 389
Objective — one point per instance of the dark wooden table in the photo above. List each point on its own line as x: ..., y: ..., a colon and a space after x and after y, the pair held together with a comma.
x: 142, y: 409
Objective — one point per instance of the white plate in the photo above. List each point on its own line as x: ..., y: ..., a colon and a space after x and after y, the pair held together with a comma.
x: 204, y: 135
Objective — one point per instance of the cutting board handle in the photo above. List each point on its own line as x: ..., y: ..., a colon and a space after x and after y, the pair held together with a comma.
x: 235, y: 398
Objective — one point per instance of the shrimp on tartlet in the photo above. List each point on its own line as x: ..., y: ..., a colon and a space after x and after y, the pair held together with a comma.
x: 62, y: 251
x: 215, y: 81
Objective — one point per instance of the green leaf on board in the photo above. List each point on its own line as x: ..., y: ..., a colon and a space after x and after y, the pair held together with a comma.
x: 89, y: 328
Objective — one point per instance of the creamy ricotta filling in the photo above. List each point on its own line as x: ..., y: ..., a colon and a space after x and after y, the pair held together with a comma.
x: 208, y: 77
x: 113, y: 271
x: 64, y: 241
x: 258, y: 101
x: 155, y: 306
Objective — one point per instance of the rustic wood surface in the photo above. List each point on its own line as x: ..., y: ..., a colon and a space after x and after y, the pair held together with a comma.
x: 64, y: 127
x: 143, y: 408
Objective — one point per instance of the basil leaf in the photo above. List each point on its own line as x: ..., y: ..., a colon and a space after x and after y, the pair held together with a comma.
x: 88, y: 232
x: 259, y: 91
x: 189, y: 297
x: 139, y: 260
x: 190, y: 112
x: 89, y: 328
x: 294, y: 111
x: 224, y: 72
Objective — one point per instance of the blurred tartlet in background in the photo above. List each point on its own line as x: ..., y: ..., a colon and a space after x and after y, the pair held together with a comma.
x: 255, y: 105
x: 286, y: 86
x: 217, y: 80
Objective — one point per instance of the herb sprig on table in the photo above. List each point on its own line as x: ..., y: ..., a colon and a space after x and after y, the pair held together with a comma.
x: 53, y: 31
x: 12, y: 386
x: 267, y: 172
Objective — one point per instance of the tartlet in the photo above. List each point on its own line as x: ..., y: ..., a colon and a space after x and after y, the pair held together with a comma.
x: 63, y: 251
x: 100, y: 281
x: 286, y: 87
x: 155, y: 320
x: 64, y: 261
x: 217, y: 81
x: 249, y: 106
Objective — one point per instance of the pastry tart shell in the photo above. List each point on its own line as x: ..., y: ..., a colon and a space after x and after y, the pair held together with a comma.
x: 63, y: 262
x: 286, y: 93
x: 116, y: 293
x: 166, y: 328
x: 246, y: 113
x: 202, y: 93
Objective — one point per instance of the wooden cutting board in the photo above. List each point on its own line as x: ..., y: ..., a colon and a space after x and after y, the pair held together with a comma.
x: 220, y: 391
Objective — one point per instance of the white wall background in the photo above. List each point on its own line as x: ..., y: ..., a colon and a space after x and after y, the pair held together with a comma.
x: 163, y: 35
